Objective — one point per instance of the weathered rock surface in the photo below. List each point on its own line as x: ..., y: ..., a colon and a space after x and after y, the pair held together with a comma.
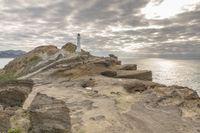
x: 140, y: 74
x: 21, y: 120
x: 87, y: 94
x: 5, y: 120
x: 128, y: 67
x: 25, y: 64
x: 12, y: 96
x: 70, y: 47
x: 48, y: 115
x: 14, y: 93
x: 136, y: 87
x: 109, y: 73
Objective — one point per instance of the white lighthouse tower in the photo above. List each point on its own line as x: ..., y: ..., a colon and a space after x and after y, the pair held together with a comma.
x: 78, y: 43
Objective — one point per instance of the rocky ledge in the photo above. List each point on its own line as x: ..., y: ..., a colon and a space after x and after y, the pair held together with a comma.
x: 73, y: 92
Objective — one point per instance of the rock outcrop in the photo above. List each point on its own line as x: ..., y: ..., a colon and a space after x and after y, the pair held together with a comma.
x: 12, y: 96
x: 140, y: 74
x: 14, y: 93
x: 25, y: 64
x: 81, y: 93
x: 70, y: 47
x: 48, y: 115
x: 128, y: 67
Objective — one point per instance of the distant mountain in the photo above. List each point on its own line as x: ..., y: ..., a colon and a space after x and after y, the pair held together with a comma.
x: 11, y: 53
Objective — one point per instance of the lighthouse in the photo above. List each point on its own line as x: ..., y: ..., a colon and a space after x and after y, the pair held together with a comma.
x: 78, y: 43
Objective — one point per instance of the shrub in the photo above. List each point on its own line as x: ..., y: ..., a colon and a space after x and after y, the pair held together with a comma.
x: 13, y: 130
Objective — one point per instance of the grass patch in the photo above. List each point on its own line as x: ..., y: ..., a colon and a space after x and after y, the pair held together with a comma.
x: 7, y: 77
x: 33, y: 60
x: 13, y: 130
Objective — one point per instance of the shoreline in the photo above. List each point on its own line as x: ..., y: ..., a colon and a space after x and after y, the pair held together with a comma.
x: 77, y: 92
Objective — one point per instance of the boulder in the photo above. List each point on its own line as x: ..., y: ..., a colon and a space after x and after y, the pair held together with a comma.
x: 104, y: 63
x: 109, y: 73
x: 139, y: 74
x: 49, y: 115
x: 113, y: 56
x: 128, y: 67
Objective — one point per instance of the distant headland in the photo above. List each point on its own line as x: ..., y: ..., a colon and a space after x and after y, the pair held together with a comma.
x: 11, y: 53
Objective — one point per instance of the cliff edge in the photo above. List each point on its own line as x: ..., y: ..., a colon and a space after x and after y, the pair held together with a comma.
x: 81, y: 93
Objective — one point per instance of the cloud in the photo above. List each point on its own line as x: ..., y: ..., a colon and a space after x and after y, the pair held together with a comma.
x: 114, y: 26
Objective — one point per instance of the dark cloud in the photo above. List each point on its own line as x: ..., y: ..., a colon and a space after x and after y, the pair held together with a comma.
x: 106, y: 26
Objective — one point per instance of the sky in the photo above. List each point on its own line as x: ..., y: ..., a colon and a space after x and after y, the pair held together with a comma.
x: 126, y: 28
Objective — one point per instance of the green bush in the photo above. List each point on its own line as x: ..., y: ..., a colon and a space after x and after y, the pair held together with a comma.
x: 13, y: 130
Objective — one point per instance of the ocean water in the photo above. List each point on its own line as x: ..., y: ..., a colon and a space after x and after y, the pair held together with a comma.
x: 165, y: 71
x: 4, y: 61
x: 183, y: 72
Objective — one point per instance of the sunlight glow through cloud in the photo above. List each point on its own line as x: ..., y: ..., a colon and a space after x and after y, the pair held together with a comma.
x: 124, y: 28
x: 168, y: 8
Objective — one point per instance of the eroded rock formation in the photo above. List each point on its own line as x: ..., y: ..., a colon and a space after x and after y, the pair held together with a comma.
x: 49, y: 115
x: 12, y: 96
x: 14, y: 93
x: 81, y: 93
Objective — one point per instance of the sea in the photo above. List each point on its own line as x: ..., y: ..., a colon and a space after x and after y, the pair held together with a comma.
x: 4, y: 61
x: 182, y: 72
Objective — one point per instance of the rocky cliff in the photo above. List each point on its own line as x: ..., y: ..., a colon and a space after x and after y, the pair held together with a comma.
x: 81, y: 93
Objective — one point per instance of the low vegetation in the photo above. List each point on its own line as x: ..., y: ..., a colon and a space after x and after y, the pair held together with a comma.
x: 13, y: 130
x: 7, y: 77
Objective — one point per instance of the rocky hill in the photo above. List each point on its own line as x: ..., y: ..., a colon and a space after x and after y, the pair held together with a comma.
x: 68, y: 92
x: 11, y: 53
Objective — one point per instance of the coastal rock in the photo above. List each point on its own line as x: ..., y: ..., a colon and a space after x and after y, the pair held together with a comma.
x: 135, y: 87
x: 113, y: 56
x: 128, y: 67
x: 88, y: 83
x: 49, y: 115
x: 140, y: 74
x: 107, y: 62
x: 24, y: 64
x: 109, y: 73
x: 119, y: 101
x: 70, y: 47
x: 14, y: 93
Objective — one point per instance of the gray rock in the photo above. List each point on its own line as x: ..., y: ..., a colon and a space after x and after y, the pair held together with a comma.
x: 14, y: 93
x: 49, y: 115
x: 88, y: 83
x: 135, y: 87
x: 109, y: 73
x: 142, y: 75
x: 128, y: 67
x: 113, y: 56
